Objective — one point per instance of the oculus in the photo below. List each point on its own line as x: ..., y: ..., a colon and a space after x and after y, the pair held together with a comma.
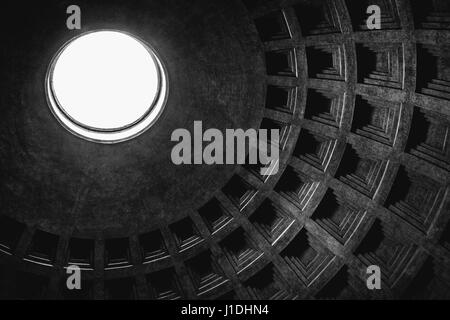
x: 106, y: 86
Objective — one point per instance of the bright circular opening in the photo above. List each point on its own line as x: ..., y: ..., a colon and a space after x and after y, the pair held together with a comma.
x: 106, y: 86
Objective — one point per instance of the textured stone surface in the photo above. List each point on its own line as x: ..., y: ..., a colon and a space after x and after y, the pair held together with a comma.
x: 365, y: 156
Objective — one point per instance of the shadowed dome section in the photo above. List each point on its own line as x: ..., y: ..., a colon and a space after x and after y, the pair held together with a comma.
x: 106, y: 86
x: 364, y: 162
